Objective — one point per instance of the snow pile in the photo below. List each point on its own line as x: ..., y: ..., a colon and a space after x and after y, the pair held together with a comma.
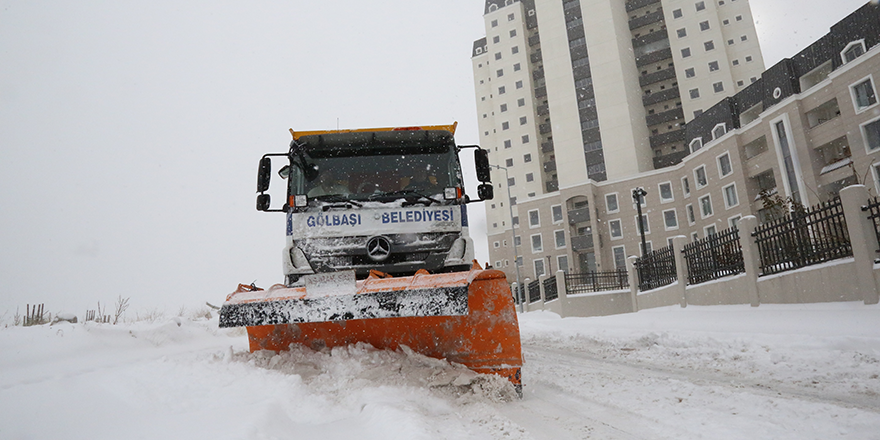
x: 728, y: 372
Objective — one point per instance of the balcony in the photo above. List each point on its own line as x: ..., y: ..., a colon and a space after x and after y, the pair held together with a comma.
x: 536, y: 57
x: 543, y: 128
x: 663, y: 95
x: 667, y: 138
x: 581, y: 242
x: 552, y: 186
x: 669, y: 160
x: 636, y: 4
x: 645, y: 20
x: 653, y: 37
x: 543, y: 110
x: 533, y: 40
x: 669, y: 115
x: 541, y: 92
x: 653, y: 57
x: 579, y: 215
x: 547, y: 147
x: 550, y: 166
x: 655, y: 77
x: 538, y: 74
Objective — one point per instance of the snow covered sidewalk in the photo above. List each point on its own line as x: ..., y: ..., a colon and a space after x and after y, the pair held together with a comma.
x: 725, y: 372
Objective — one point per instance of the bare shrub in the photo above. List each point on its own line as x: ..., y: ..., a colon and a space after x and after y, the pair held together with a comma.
x: 121, y: 306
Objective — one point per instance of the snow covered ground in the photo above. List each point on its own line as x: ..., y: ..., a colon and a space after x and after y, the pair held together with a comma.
x: 724, y: 372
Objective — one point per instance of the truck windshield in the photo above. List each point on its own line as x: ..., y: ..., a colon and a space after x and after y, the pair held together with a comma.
x: 383, y: 175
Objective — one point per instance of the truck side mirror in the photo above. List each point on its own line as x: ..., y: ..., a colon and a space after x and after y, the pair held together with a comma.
x: 481, y: 162
x: 486, y: 191
x: 263, y: 201
x: 264, y: 174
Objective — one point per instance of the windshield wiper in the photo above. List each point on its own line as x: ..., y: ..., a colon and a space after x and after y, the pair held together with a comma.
x: 336, y: 198
x: 422, y: 198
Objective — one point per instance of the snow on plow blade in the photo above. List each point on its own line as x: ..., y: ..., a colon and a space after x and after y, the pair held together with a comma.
x: 463, y: 317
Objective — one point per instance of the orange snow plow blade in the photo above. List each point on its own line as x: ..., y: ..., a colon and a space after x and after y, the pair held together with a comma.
x: 463, y: 317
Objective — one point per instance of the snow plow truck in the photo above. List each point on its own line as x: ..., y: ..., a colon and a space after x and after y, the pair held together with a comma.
x: 378, y: 251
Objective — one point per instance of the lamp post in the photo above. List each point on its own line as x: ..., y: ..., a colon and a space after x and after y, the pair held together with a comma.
x: 519, y: 287
x: 638, y: 193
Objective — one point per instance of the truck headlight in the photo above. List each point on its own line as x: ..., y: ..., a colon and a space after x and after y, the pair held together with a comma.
x: 456, y: 252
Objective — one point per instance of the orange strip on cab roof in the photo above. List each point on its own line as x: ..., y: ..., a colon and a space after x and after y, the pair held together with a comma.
x: 450, y: 128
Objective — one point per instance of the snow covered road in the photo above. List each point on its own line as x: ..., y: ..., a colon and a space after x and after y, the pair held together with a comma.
x: 727, y: 372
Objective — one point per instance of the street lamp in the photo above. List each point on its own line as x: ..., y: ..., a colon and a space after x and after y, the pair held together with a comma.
x: 638, y: 194
x: 519, y: 287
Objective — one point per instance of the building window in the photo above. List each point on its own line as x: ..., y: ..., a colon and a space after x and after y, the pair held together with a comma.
x: 525, y: 139
x: 871, y: 134
x: 670, y: 219
x: 853, y: 50
x: 510, y: 17
x: 704, y: 25
x: 517, y: 241
x: 725, y: 22
x: 611, y: 203
x: 562, y: 263
x: 499, y: 72
x: 560, y: 238
x: 690, y: 214
x: 666, y: 192
x: 494, y: 23
x: 527, y: 158
x: 511, y: 181
x: 733, y: 222
x: 743, y: 38
x: 709, y: 230
x: 730, y: 42
x: 863, y: 94
x: 519, y: 85
x: 700, y: 6
x: 505, y: 125
x: 724, y: 166
x: 736, y: 63
x: 730, y: 197
x: 700, y: 176
x: 539, y: 267
x: 681, y: 33
x: 508, y: 163
x: 685, y: 187
x: 686, y: 52
x: 507, y: 144
x: 556, y: 210
x: 534, y: 219
x: 530, y: 177
x: 516, y: 67
x: 739, y: 18
x: 713, y: 66
x: 718, y: 87
x: 496, y: 39
x: 537, y: 243
x: 512, y: 33
x: 514, y: 50
x: 749, y: 60
x: 696, y: 144
x: 706, y: 206
x: 503, y: 108
x: 619, y: 257
x: 521, y: 102
x: 615, y: 230
x: 788, y: 159
x: 719, y: 131
x: 709, y: 45
x: 694, y: 93
x: 523, y: 120
x: 676, y: 13
x: 497, y: 56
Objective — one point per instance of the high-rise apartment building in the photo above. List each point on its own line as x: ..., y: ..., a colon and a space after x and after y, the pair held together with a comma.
x: 575, y: 91
x: 581, y: 102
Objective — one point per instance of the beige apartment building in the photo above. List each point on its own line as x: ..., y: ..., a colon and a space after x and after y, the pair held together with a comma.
x: 804, y: 128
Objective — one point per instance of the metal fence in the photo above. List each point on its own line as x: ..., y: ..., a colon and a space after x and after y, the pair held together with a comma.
x: 873, y: 209
x: 534, y: 291
x: 716, y: 256
x: 588, y: 282
x: 550, y: 290
x: 803, y: 238
x: 656, y: 269
x: 518, y: 293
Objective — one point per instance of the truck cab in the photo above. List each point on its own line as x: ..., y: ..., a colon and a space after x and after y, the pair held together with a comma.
x: 390, y: 200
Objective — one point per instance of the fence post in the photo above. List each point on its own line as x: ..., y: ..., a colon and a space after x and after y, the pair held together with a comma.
x: 863, y: 240
x: 751, y: 257
x: 561, y: 292
x: 527, y: 303
x: 678, y: 243
x: 541, y: 279
x: 633, y: 281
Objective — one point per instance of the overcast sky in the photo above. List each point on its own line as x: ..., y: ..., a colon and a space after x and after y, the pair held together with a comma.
x: 130, y: 131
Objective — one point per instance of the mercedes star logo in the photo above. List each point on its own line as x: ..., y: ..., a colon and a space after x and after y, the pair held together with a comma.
x: 378, y: 248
